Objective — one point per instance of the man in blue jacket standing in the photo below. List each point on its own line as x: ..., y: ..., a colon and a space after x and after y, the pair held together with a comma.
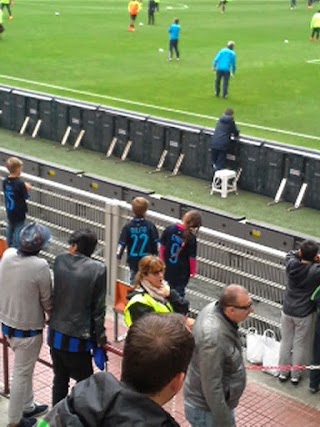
x: 224, y: 64
x: 174, y: 34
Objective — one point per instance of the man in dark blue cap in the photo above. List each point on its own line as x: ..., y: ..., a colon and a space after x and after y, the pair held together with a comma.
x: 25, y: 299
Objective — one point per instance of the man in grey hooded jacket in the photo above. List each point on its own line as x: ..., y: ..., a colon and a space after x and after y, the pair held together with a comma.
x: 216, y: 376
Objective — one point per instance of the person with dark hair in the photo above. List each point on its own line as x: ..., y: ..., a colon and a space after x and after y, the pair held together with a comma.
x: 221, y: 141
x: 174, y: 35
x: 156, y: 356
x: 140, y: 236
x: 224, y: 65
x: 298, y: 311
x: 25, y: 300
x: 178, y: 250
x: 151, y: 294
x: 16, y: 193
x: 216, y: 377
x: 76, y: 327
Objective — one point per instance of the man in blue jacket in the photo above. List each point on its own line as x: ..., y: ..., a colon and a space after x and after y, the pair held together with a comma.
x: 224, y: 64
x: 221, y: 139
x: 174, y: 34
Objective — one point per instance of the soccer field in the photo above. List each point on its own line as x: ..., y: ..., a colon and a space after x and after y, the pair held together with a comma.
x: 86, y: 52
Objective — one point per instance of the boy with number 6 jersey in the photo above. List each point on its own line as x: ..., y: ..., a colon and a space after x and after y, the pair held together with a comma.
x: 178, y: 250
x: 140, y: 236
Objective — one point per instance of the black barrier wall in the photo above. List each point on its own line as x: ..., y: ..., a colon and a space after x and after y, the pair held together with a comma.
x: 153, y: 141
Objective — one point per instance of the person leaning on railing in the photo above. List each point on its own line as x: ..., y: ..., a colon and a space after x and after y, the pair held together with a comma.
x: 151, y: 294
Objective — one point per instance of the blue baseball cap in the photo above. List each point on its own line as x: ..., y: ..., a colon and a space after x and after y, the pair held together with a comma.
x: 33, y: 237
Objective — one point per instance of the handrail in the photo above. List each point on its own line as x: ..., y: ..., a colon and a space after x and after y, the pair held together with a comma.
x: 5, y: 355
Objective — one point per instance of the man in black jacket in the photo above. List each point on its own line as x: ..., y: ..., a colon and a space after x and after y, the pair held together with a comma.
x: 221, y: 139
x: 156, y: 356
x: 78, y: 312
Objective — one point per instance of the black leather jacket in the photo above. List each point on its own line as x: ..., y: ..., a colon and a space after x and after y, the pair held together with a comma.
x: 79, y: 297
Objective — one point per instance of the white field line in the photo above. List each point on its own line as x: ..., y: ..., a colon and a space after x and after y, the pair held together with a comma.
x: 313, y: 61
x: 151, y: 106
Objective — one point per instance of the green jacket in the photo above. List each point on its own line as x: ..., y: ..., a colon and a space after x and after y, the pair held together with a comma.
x: 151, y: 304
x: 315, y: 21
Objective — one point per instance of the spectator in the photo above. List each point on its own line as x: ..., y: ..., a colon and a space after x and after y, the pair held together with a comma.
x: 174, y: 35
x: 151, y: 293
x: 156, y: 355
x: 151, y: 11
x: 78, y: 312
x: 133, y: 9
x: 139, y: 236
x: 224, y: 64
x: 216, y: 377
x: 25, y: 297
x: 221, y: 139
x: 178, y: 250
x: 16, y: 192
x: 6, y: 4
x: 297, y: 317
x: 315, y: 26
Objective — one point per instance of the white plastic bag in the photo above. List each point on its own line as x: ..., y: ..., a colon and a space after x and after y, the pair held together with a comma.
x: 271, y: 352
x: 255, y: 346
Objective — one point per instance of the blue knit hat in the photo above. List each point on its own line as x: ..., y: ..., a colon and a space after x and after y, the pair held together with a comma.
x: 33, y: 237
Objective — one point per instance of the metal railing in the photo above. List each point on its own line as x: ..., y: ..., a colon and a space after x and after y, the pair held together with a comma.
x: 222, y: 259
x: 5, y: 362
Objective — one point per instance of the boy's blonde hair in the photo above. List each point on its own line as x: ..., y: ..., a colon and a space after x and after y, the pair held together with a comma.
x: 140, y: 206
x: 13, y: 164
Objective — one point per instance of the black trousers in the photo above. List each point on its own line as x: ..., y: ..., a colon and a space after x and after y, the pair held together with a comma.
x: 315, y: 33
x: 66, y: 365
x: 218, y: 159
x: 173, y: 46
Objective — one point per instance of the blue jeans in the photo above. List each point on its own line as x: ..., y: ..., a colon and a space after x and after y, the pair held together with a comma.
x: 225, y: 76
x: 219, y: 158
x: 13, y: 233
x: 198, y: 417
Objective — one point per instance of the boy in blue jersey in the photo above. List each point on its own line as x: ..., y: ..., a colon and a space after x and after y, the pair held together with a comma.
x: 140, y: 236
x: 16, y: 192
x: 178, y: 250
x: 224, y: 64
x: 174, y: 32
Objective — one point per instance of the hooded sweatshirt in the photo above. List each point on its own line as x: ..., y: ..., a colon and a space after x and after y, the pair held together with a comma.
x: 103, y: 401
x: 225, y: 128
x: 302, y: 280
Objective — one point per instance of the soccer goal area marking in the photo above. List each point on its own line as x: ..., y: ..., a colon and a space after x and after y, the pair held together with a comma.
x: 313, y: 61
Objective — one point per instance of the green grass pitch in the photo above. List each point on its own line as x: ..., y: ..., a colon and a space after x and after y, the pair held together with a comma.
x: 86, y: 52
